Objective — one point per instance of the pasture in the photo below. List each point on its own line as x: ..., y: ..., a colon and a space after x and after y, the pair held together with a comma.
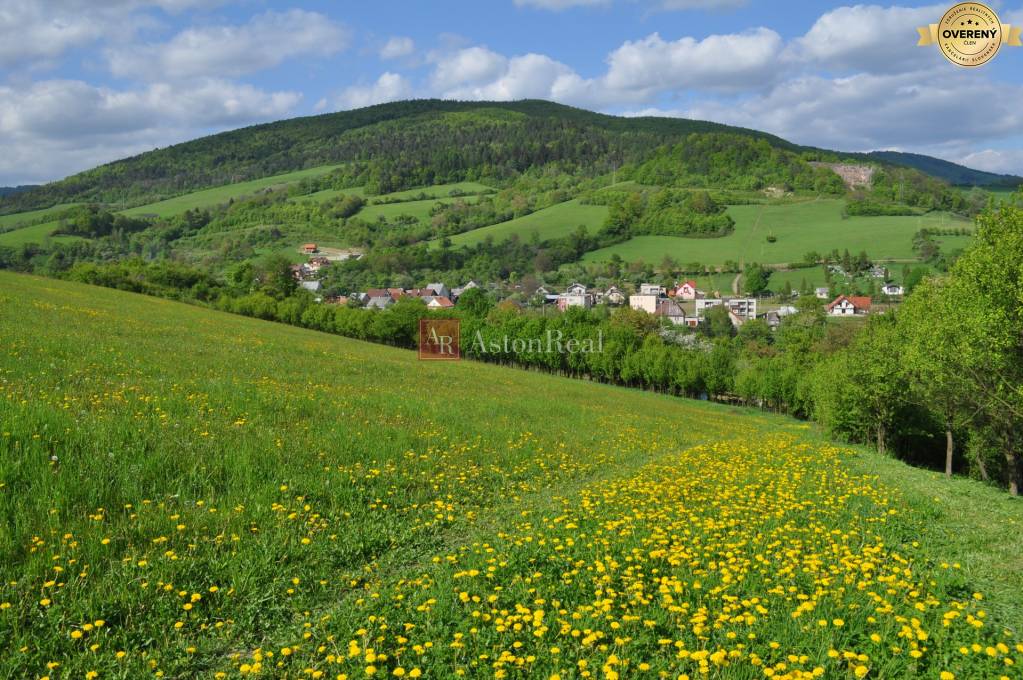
x: 18, y: 219
x: 798, y: 227
x: 417, y: 210
x: 556, y: 221
x: 208, y: 198
x: 36, y: 233
x: 187, y: 493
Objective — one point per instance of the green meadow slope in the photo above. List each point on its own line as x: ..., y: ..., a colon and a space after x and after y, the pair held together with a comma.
x: 190, y: 493
x: 798, y: 227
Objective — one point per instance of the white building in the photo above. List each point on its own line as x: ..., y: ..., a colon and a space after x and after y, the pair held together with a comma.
x: 892, y: 289
x: 646, y: 302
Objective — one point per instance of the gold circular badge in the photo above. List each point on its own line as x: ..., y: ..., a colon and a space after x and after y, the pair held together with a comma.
x: 970, y: 34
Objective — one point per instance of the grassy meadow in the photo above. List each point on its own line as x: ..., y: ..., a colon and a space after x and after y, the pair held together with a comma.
x: 18, y: 219
x: 36, y: 233
x: 187, y: 493
x: 553, y: 222
x: 420, y: 210
x: 799, y: 227
x: 207, y: 198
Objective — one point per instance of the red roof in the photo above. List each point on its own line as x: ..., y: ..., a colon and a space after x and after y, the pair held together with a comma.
x: 443, y: 301
x: 857, y: 301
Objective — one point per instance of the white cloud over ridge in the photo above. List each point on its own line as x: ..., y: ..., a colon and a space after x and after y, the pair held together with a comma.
x: 388, y: 87
x: 54, y: 127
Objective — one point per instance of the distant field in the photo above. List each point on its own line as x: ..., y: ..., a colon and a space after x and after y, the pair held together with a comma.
x: 554, y: 222
x: 417, y: 209
x: 7, y: 221
x: 436, y: 191
x: 37, y: 233
x: 329, y: 194
x: 210, y: 197
x: 799, y: 227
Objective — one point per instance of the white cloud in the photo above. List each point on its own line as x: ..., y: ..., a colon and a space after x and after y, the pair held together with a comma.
x: 936, y: 110
x: 56, y: 127
x: 469, y: 66
x: 1003, y: 161
x: 398, y: 46
x: 389, y: 87
x: 265, y: 41
x: 868, y: 38
x: 718, y: 62
x: 34, y: 31
x: 524, y: 77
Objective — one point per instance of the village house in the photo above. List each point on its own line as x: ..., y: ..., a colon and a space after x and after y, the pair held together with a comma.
x: 651, y: 289
x: 457, y: 292
x: 311, y: 286
x: 892, y: 289
x: 744, y: 308
x: 740, y: 310
x: 439, y: 289
x: 379, y: 302
x: 822, y: 293
x: 646, y: 302
x: 687, y: 291
x: 575, y: 295
x: 849, y: 306
x: 614, y: 296
x: 438, y: 302
x: 310, y: 248
x: 670, y: 310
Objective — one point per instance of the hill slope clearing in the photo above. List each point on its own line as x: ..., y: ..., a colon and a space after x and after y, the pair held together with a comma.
x: 193, y: 493
x: 556, y: 221
x: 798, y: 227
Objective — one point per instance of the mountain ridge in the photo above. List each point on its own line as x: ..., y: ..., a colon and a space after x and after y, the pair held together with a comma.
x: 368, y: 134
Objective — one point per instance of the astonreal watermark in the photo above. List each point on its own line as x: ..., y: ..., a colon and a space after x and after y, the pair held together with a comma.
x: 440, y: 340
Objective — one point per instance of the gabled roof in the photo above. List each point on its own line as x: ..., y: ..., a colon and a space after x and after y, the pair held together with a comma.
x: 857, y: 301
x: 439, y: 301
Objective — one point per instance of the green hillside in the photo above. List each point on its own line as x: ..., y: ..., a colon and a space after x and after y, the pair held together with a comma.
x: 798, y: 227
x: 189, y: 493
x: 219, y: 195
x: 555, y: 222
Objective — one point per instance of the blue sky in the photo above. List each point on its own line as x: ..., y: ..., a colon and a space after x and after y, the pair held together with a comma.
x: 87, y: 81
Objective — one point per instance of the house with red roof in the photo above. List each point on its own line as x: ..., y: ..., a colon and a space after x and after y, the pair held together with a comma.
x: 688, y: 291
x: 849, y: 305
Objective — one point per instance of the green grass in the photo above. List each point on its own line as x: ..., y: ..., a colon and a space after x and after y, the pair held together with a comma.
x: 798, y: 227
x: 436, y: 191
x: 555, y: 222
x: 420, y: 210
x: 208, y: 198
x: 9, y: 221
x: 329, y: 194
x: 37, y: 233
x: 230, y: 495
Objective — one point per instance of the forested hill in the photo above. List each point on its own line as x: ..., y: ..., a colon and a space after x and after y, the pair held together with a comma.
x: 393, y: 146
x: 952, y: 173
x: 416, y: 142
